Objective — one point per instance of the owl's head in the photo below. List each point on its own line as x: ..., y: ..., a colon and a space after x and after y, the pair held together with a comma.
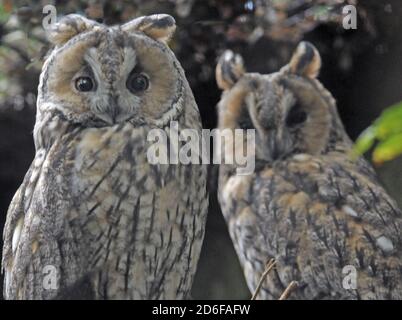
x: 290, y: 110
x: 99, y: 76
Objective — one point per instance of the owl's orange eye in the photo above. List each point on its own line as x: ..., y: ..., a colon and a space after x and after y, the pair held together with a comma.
x: 137, y: 83
x: 84, y: 84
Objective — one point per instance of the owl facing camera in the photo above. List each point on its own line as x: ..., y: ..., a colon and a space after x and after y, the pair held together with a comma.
x: 111, y: 225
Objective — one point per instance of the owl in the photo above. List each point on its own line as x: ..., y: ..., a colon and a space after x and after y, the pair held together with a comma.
x: 323, y: 216
x: 94, y: 218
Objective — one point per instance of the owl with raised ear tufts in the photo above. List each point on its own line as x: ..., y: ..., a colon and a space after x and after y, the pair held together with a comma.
x: 322, y: 216
x: 94, y: 218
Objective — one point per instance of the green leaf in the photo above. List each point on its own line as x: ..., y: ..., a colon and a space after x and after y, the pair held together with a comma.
x: 388, y: 150
x: 365, y: 141
x: 389, y: 122
x: 387, y: 129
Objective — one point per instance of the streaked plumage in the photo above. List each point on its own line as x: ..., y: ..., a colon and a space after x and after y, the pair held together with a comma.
x: 308, y: 205
x: 91, y: 205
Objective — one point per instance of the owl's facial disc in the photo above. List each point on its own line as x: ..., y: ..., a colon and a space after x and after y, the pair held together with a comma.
x: 290, y: 110
x: 108, y: 76
x: 113, y: 94
x: 275, y: 114
x: 290, y: 115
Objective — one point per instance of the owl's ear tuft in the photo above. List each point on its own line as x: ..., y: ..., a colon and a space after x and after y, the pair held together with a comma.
x: 68, y: 27
x: 160, y: 27
x: 306, y: 60
x: 229, y: 70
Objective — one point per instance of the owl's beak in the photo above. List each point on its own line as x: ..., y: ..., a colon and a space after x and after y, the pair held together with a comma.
x: 114, y: 114
x: 113, y: 110
x: 271, y: 152
x: 106, y: 117
x: 275, y: 152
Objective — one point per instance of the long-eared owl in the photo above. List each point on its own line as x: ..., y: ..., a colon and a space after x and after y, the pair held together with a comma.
x: 93, y: 218
x: 323, y: 216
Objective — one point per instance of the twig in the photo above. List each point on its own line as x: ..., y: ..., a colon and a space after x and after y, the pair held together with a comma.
x: 292, y: 286
x: 268, y: 267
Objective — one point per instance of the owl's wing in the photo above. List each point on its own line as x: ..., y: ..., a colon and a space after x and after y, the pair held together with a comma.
x: 74, y: 213
x: 15, y: 227
x: 316, y: 217
x: 330, y: 214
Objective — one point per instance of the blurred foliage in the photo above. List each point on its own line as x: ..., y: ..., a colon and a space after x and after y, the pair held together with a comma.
x: 5, y: 11
x: 387, y: 129
x: 290, y: 19
x: 223, y: 23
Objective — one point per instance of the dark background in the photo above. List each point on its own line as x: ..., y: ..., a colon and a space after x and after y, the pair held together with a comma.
x: 362, y: 68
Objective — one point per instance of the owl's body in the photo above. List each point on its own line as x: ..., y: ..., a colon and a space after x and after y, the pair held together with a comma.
x: 308, y: 205
x: 110, y: 224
